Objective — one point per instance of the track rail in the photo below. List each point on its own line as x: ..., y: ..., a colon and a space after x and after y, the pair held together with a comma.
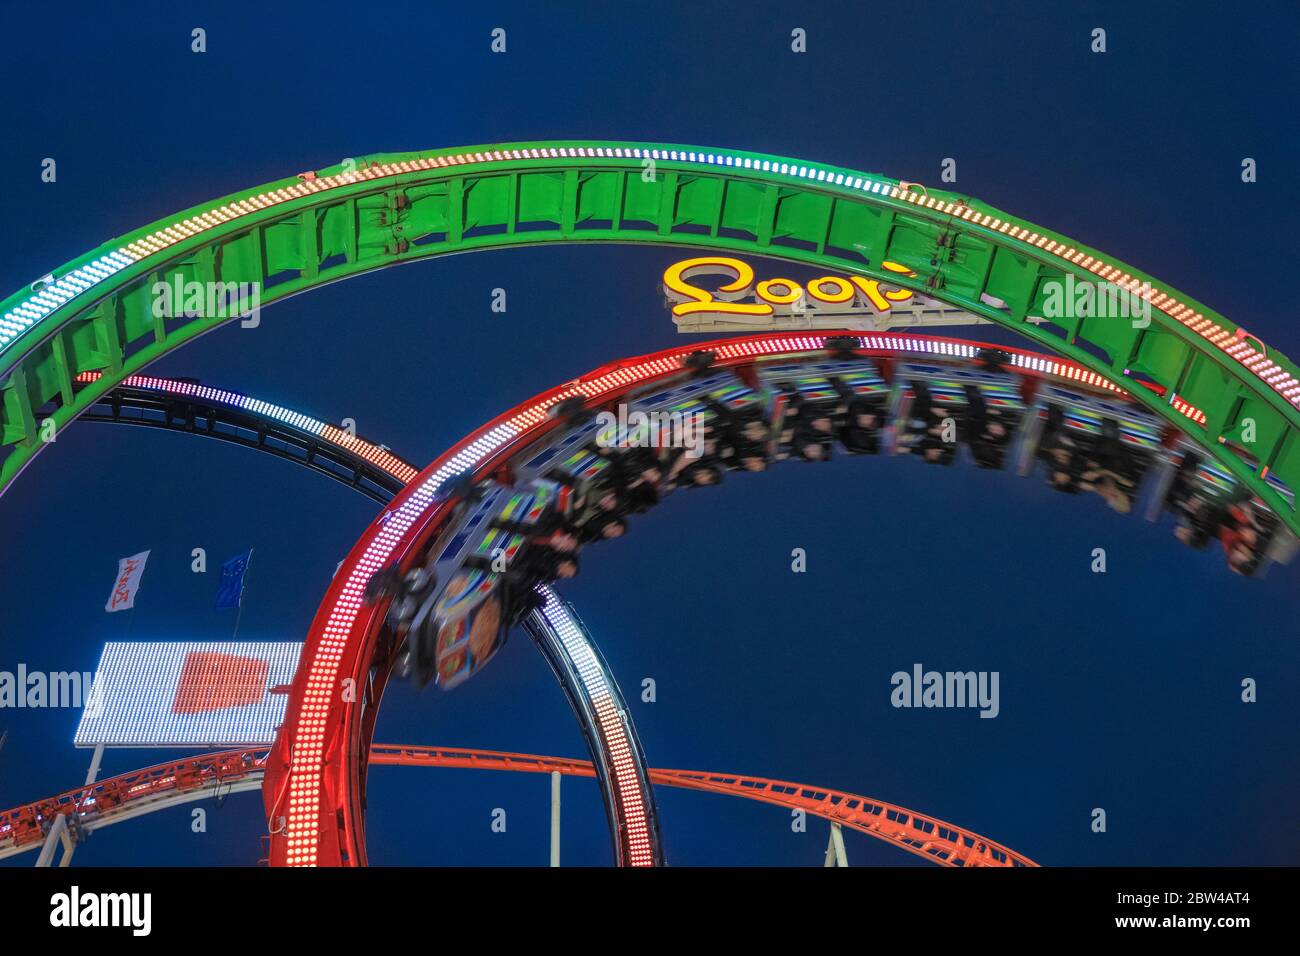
x: 188, y: 406
x: 100, y: 311
x: 127, y: 796
x: 314, y: 778
x: 373, y: 470
x: 226, y: 415
x: 606, y: 723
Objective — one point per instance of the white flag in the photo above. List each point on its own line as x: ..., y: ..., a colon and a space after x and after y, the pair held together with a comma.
x: 129, y: 571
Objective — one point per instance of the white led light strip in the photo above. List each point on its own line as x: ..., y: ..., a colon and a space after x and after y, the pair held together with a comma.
x: 610, y: 725
x: 63, y: 290
x: 329, y: 433
x: 1066, y: 370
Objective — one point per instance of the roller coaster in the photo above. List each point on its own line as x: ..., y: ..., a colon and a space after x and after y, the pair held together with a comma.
x: 221, y: 774
x: 1184, y: 409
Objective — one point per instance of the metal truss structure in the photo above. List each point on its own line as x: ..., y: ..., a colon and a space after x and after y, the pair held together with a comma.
x: 99, y: 312
x: 188, y: 406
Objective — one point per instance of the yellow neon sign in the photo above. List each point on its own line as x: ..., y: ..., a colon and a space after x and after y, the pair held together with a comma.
x: 775, y: 295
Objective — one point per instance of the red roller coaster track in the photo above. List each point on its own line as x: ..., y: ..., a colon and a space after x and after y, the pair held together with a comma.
x: 313, y: 790
x: 122, y: 797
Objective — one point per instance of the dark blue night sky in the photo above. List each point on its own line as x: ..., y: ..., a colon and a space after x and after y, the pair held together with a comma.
x: 1118, y: 691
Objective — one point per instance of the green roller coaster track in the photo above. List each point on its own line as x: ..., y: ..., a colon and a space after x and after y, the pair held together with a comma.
x: 97, y: 312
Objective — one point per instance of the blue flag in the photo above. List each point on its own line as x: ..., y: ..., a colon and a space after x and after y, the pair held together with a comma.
x: 231, y: 589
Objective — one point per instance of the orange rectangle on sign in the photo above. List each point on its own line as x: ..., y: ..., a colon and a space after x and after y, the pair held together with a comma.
x: 212, y: 681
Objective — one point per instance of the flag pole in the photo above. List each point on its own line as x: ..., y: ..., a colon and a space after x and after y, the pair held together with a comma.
x: 243, y: 586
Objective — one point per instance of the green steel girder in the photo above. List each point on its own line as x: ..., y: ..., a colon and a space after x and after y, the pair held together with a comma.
x: 386, y: 209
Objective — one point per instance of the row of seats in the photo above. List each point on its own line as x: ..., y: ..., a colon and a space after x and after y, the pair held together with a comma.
x: 745, y: 425
x: 1205, y: 512
x: 1102, y: 464
x: 932, y: 425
